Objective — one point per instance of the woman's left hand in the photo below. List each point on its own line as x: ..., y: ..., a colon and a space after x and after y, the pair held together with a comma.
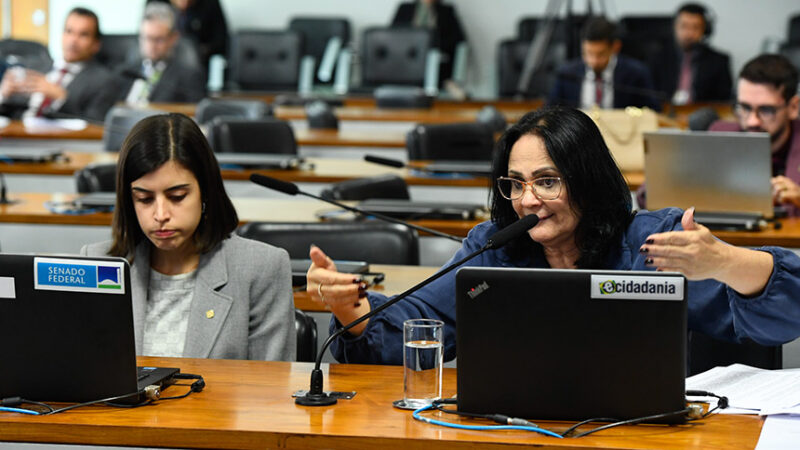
x: 693, y: 252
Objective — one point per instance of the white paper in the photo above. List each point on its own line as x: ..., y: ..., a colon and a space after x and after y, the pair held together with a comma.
x: 780, y: 433
x: 750, y: 390
x: 44, y: 125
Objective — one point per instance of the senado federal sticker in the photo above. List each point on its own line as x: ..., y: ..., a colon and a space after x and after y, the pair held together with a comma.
x: 636, y: 287
x: 78, y: 275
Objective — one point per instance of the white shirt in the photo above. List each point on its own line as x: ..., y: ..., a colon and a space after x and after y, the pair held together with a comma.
x: 588, y: 87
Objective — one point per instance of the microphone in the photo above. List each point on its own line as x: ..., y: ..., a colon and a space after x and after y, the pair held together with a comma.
x: 292, y: 189
x: 468, y: 167
x: 384, y: 161
x: 316, y: 397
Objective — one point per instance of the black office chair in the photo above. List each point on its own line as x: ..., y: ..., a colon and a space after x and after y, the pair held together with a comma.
x: 266, y: 135
x: 791, y: 52
x: 265, y: 60
x: 793, y: 31
x: 318, y: 32
x: 645, y: 36
x: 373, y: 242
x: 118, y: 123
x: 100, y: 177
x: 511, y: 59
x: 32, y: 55
x: 706, y: 353
x: 382, y: 186
x: 453, y: 141
x: 306, y: 336
x: 209, y: 108
x: 395, y: 56
x: 117, y: 50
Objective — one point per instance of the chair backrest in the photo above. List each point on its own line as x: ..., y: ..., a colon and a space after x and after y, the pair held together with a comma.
x: 32, y: 55
x: 209, y: 108
x: 306, y: 336
x: 511, y: 59
x: 453, y: 141
x: 791, y: 52
x: 118, y: 49
x: 265, y: 60
x: 373, y: 242
x: 101, y: 177
x: 706, y: 352
x: 265, y: 135
x: 394, y: 56
x: 118, y: 123
x: 793, y: 33
x: 318, y: 32
x: 645, y: 36
x: 382, y: 186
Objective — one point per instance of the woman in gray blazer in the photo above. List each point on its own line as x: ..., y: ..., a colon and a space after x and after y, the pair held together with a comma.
x: 198, y: 291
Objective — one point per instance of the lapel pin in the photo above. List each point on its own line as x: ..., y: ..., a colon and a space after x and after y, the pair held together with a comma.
x: 210, y: 314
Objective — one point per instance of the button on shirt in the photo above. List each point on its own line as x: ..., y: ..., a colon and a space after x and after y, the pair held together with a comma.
x: 604, y: 86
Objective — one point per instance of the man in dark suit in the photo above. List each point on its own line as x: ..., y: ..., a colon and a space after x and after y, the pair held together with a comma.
x: 443, y: 22
x: 691, y: 71
x: 76, y: 86
x: 602, y: 78
x: 161, y: 74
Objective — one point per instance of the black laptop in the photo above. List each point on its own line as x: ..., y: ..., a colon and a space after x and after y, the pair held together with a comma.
x: 29, y: 155
x: 570, y: 344
x: 411, y: 209
x: 477, y: 168
x: 66, y: 330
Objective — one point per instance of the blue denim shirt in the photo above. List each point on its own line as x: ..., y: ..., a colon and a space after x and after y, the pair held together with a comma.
x: 771, y: 318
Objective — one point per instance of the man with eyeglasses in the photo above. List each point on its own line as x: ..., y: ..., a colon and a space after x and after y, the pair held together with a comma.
x: 767, y: 101
x: 164, y: 73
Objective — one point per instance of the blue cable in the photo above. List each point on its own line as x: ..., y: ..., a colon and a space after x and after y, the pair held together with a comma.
x: 20, y: 410
x: 416, y: 416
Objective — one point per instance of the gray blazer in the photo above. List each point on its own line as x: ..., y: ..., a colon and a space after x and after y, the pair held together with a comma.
x: 247, y: 285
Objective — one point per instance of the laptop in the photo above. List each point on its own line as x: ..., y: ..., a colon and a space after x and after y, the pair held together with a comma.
x: 478, y: 168
x: 102, y: 201
x: 547, y: 344
x: 66, y: 330
x: 725, y: 176
x: 411, y: 210
x: 29, y: 155
x: 259, y: 161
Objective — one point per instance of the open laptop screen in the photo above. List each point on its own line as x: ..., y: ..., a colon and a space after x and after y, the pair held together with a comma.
x: 570, y: 344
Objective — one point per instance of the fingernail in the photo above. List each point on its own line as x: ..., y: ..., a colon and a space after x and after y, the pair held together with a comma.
x: 648, y: 261
x: 357, y: 280
x: 643, y: 249
x: 649, y: 241
x: 362, y: 294
x: 362, y: 286
x: 356, y: 304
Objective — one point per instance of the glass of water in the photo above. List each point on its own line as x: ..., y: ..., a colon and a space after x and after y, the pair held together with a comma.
x: 423, y: 352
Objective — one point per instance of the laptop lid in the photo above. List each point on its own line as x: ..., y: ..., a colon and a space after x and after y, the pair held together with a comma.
x: 259, y: 161
x: 411, y: 210
x: 29, y: 155
x: 103, y: 201
x: 570, y: 344
x: 66, y: 329
x: 478, y: 168
x: 714, y: 172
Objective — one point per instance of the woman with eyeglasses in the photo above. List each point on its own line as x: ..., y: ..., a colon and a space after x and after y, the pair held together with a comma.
x: 555, y: 164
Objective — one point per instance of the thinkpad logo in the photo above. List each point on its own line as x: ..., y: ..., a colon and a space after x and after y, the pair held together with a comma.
x: 478, y: 290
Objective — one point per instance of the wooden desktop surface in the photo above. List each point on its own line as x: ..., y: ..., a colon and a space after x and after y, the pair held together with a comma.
x: 398, y: 279
x: 248, y: 405
x: 16, y: 129
x: 31, y: 209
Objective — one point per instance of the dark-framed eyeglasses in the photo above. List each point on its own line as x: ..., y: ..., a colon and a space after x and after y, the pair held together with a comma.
x: 765, y: 113
x: 544, y: 188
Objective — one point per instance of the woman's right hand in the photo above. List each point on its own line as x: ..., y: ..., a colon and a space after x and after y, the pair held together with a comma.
x: 343, y: 293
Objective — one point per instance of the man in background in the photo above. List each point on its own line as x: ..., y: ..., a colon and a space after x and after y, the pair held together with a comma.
x: 76, y: 86
x: 161, y: 74
x: 690, y: 70
x: 602, y: 77
x: 767, y: 101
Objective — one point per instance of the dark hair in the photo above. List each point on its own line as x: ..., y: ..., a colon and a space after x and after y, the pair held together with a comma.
x: 699, y: 10
x: 151, y: 143
x: 597, y: 190
x: 88, y: 13
x: 774, y: 70
x: 598, y: 28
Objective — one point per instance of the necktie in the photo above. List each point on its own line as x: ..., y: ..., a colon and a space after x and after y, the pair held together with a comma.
x: 47, y: 101
x: 598, y: 91
x: 685, y: 80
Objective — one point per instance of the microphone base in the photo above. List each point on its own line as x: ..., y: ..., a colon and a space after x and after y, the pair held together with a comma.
x: 309, y: 399
x: 8, y: 201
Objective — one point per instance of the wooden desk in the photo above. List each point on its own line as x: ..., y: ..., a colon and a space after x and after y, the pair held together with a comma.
x: 398, y: 279
x: 16, y: 129
x: 247, y: 405
x: 367, y: 113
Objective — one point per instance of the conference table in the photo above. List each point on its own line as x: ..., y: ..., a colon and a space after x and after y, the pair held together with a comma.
x: 30, y: 208
x: 248, y: 405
